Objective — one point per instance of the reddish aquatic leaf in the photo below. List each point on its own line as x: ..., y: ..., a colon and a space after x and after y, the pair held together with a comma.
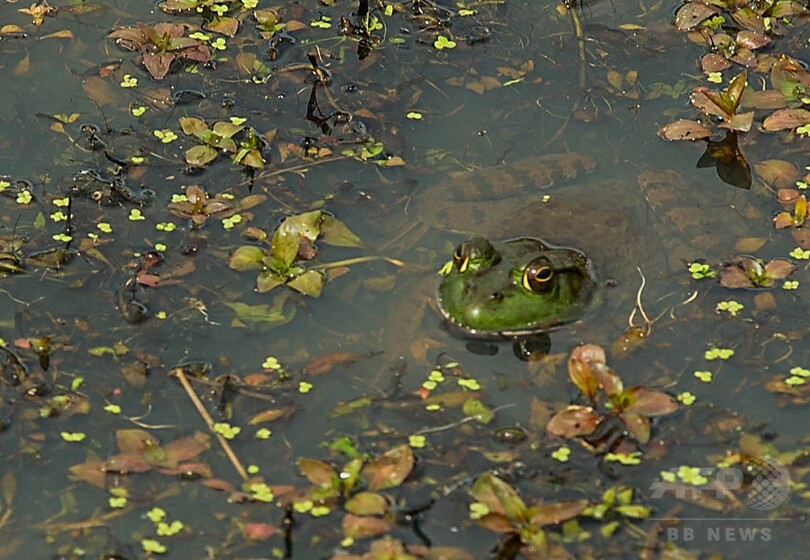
x: 325, y: 364
x: 733, y: 277
x: 744, y: 57
x: 556, y: 513
x: 779, y: 269
x: 787, y: 196
x: 684, y: 129
x: 574, y: 421
x: 779, y: 174
x: 497, y: 523
x: 259, y: 531
x: 784, y: 119
x: 783, y: 220
x: 271, y: 414
x: 223, y: 25
x: 752, y: 39
x: 764, y: 99
x: 367, y: 503
x: 188, y: 447
x: 158, y: 64
x: 801, y: 236
x: 740, y: 122
x: 149, y: 280
x: 390, y: 469
x: 318, y: 472
x: 638, y: 426
x: 498, y: 496
x: 357, y: 527
x: 90, y: 471
x: 609, y: 381
x: 700, y: 100
x: 714, y: 63
x: 581, y: 365
x: 651, y: 403
x: 219, y: 485
x: 692, y: 14
x: 307, y: 250
x: 202, y: 470
x: 125, y: 464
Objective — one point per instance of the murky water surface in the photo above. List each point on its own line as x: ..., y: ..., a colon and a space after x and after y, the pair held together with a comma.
x: 78, y: 120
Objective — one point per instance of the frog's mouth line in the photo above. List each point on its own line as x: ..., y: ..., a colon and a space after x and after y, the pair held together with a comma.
x: 464, y: 332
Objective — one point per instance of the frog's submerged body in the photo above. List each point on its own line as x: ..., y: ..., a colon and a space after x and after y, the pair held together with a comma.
x: 616, y: 228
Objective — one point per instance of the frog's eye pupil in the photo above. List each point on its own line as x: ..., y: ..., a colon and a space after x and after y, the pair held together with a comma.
x: 537, y: 277
x: 544, y: 274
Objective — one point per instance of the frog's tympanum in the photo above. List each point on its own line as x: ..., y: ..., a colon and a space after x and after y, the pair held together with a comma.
x: 515, y: 287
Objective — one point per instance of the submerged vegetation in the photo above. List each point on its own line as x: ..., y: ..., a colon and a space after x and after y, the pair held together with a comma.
x: 203, y: 206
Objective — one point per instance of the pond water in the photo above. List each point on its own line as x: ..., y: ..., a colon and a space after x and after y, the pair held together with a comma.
x: 95, y: 334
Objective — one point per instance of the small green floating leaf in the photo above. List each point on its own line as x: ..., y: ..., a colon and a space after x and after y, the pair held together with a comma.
x: 718, y: 354
x: 152, y: 546
x: 443, y: 42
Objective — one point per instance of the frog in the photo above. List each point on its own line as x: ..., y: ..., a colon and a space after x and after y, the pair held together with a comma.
x: 549, y: 255
x: 517, y: 287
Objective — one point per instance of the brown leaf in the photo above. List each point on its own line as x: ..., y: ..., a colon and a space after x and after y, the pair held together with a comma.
x: 764, y: 99
x: 318, y: 472
x: 367, y: 503
x: 324, y: 364
x: 202, y: 470
x: 734, y: 277
x: 752, y: 39
x: 714, y: 63
x: 779, y: 174
x: 787, y: 196
x: 497, y: 523
x: 498, y: 496
x: 133, y: 441
x: 357, y: 527
x: 581, y: 365
x: 271, y: 414
x: 801, y: 236
x: 701, y: 101
x: 574, y: 421
x: 637, y: 425
x: 188, y: 447
x: 556, y: 513
x: 157, y: 64
x: 90, y: 471
x: 784, y: 119
x: 390, y: 469
x: 692, y: 14
x: 125, y: 464
x: 779, y: 269
x: 258, y: 531
x: 652, y: 403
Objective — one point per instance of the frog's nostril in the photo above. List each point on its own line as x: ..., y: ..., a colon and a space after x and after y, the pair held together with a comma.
x: 496, y: 296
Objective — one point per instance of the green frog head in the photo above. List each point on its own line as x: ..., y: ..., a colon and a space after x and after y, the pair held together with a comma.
x: 516, y: 287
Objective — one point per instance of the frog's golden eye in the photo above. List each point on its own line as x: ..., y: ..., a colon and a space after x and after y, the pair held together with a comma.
x: 537, y: 276
x: 461, y: 258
